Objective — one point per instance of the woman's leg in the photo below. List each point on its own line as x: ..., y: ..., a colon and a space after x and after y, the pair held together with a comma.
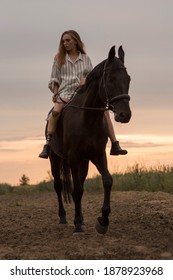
x: 115, y: 149
x: 52, y: 121
x: 111, y: 132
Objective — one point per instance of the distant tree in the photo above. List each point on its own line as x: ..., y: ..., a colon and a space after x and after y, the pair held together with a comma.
x: 24, y: 180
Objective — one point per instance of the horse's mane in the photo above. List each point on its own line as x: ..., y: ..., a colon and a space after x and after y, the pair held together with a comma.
x: 94, y: 75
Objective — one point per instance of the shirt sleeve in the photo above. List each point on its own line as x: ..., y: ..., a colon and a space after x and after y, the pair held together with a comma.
x: 87, y: 66
x: 90, y: 67
x: 55, y: 76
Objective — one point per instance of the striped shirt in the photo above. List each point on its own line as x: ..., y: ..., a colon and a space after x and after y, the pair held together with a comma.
x: 69, y: 75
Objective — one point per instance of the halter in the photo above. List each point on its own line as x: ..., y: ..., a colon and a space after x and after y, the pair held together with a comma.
x: 115, y: 98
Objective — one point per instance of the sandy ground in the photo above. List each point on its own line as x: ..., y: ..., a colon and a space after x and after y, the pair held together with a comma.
x: 141, y: 227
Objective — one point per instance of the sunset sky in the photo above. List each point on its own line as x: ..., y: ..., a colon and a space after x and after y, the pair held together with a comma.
x: 30, y: 33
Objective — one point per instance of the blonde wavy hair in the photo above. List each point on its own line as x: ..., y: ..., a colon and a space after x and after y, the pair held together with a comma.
x: 60, y: 56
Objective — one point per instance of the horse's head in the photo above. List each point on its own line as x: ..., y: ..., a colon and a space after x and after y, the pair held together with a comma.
x: 116, y: 85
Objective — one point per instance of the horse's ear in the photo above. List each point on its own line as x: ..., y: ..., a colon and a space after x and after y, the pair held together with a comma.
x: 111, y: 54
x: 121, y: 54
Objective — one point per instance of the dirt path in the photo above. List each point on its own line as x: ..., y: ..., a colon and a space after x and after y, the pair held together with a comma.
x: 141, y: 227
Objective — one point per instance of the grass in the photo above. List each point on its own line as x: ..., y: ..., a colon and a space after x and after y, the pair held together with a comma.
x: 136, y: 178
x: 139, y: 177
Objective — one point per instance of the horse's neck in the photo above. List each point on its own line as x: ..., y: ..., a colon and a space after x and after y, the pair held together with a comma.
x: 92, y: 107
x: 91, y: 99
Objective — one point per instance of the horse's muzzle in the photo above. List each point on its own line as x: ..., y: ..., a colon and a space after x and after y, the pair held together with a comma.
x: 123, y: 117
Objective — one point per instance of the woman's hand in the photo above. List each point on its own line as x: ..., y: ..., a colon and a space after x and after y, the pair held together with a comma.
x: 54, y: 97
x: 55, y: 92
x: 82, y: 81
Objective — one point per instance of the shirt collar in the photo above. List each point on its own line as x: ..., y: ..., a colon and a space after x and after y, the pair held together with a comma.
x: 79, y: 57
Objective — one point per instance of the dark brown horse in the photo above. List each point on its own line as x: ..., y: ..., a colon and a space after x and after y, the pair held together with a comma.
x: 82, y: 135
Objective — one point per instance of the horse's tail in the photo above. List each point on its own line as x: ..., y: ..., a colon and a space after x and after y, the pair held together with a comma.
x: 66, y: 181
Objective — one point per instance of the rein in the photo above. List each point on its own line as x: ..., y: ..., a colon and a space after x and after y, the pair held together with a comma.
x: 81, y: 107
x: 89, y: 108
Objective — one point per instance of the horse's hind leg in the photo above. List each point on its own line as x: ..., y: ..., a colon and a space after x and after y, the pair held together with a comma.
x: 103, y: 221
x: 83, y: 174
x: 55, y: 169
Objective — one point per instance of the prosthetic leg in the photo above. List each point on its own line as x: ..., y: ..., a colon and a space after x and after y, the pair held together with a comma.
x: 52, y: 121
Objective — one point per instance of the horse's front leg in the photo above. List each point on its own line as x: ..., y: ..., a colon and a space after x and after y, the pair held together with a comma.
x: 77, y: 197
x: 103, y: 221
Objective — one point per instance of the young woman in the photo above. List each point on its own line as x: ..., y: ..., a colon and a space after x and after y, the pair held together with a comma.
x: 70, y: 67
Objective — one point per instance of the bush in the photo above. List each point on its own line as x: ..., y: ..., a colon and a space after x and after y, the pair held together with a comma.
x: 138, y: 177
x: 5, y: 188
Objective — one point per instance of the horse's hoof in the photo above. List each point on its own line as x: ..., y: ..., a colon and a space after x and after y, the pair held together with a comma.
x: 63, y: 221
x: 101, y: 229
x: 78, y: 231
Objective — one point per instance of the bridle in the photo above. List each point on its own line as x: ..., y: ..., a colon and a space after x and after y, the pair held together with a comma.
x: 115, y: 98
